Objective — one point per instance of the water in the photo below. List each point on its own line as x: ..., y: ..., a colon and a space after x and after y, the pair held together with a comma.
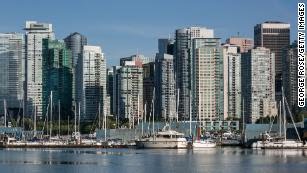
x: 231, y: 160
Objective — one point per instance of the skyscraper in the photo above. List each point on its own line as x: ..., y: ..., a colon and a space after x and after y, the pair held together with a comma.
x: 35, y: 33
x: 182, y: 60
x: 92, y: 86
x: 276, y: 37
x: 75, y: 42
x: 57, y: 77
x: 290, y: 77
x: 207, y: 79
x: 245, y: 44
x: 148, y: 85
x: 165, y: 86
x: 130, y: 91
x: 232, y: 81
x: 258, y: 88
x: 11, y: 66
x: 110, y: 78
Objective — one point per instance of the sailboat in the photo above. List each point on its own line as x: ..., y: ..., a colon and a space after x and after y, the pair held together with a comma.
x: 198, y: 142
x: 269, y: 142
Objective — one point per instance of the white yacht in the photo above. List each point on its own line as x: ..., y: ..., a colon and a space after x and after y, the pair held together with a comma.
x: 166, y: 138
x: 206, y: 143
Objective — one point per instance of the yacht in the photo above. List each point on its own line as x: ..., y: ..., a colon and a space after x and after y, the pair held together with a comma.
x: 166, y: 138
x: 206, y: 143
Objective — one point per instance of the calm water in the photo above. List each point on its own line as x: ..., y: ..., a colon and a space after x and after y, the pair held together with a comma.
x: 232, y: 160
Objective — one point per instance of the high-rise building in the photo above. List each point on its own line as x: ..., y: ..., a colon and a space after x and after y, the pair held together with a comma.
x: 138, y: 59
x: 35, y: 33
x: 290, y: 77
x: 110, y: 78
x: 165, y: 86
x: 245, y: 44
x: 148, y: 85
x: 130, y: 92
x: 92, y: 88
x: 116, y: 92
x: 182, y: 64
x: 207, y: 79
x: 276, y: 37
x: 75, y: 42
x: 258, y: 88
x: 232, y: 81
x: 166, y: 46
x: 11, y: 70
x: 57, y: 77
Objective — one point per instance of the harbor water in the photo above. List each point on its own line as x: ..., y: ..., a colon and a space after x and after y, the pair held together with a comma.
x: 215, y: 160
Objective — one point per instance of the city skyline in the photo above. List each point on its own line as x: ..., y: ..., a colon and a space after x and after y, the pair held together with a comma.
x: 122, y: 28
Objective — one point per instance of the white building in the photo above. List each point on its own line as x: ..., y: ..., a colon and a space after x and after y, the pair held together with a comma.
x: 35, y: 33
x: 92, y: 86
x: 11, y: 70
x: 258, y: 88
x: 232, y: 81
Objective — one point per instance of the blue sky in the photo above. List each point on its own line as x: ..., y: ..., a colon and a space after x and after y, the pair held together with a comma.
x: 121, y: 27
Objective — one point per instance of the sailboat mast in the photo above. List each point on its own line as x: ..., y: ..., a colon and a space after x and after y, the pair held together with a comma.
x: 280, y: 118
x: 177, y: 107
x: 153, y: 112
x: 79, y: 119
x: 34, y: 117
x: 284, y: 112
x: 99, y: 121
x: 75, y: 118
x: 190, y: 113
x: 51, y: 114
x: 59, y: 118
x: 105, y: 126
x: 138, y: 110
x: 4, y: 104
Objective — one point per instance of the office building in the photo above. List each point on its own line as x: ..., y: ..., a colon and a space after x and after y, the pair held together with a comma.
x: 35, y: 33
x: 11, y: 71
x: 57, y: 77
x: 182, y: 64
x: 244, y: 44
x: 258, y: 88
x: 276, y: 37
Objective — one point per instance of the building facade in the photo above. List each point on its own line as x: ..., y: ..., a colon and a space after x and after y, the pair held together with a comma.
x: 75, y: 42
x: 182, y: 60
x: 92, y: 88
x: 258, y: 88
x: 232, y: 82
x: 130, y: 92
x: 149, y: 87
x: 276, y: 37
x: 57, y: 77
x: 244, y: 44
x: 35, y: 33
x: 11, y: 70
x: 207, y: 79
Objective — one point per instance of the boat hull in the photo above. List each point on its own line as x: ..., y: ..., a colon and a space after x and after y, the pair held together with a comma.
x: 161, y: 144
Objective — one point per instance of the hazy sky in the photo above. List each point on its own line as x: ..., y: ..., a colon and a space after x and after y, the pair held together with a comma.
x: 121, y: 27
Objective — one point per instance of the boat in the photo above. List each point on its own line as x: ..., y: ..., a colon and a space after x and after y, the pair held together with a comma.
x: 201, y: 142
x: 166, y: 138
x: 280, y: 142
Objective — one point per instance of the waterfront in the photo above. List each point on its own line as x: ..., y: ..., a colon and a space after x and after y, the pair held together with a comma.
x: 152, y: 161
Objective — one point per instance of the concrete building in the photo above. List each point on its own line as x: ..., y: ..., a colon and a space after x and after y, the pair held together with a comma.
x: 75, y: 42
x: 93, y: 83
x: 258, y: 88
x: 116, y: 91
x: 290, y: 76
x: 130, y: 92
x: 35, y: 33
x: 276, y: 37
x: 207, y: 79
x: 245, y: 44
x: 165, y: 86
x: 232, y: 82
x: 182, y: 60
x: 57, y: 77
x: 138, y: 59
x: 149, y: 86
x: 11, y: 71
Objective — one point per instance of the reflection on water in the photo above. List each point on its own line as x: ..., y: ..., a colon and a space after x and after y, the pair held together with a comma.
x: 231, y: 160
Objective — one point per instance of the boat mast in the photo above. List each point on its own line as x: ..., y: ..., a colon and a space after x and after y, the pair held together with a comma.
x: 59, y: 118
x: 138, y: 110
x: 279, y: 118
x: 153, y: 112
x: 75, y: 117
x: 99, y: 121
x: 34, y: 117
x: 51, y: 114
x: 4, y: 104
x: 190, y: 113
x: 177, y: 105
x: 105, y: 126
x: 284, y: 113
x: 79, y: 119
